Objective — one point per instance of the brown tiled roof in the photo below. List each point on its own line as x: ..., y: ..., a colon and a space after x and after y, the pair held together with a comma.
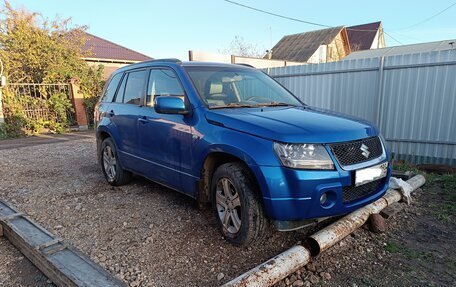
x: 362, y: 36
x: 300, y: 47
x: 100, y: 48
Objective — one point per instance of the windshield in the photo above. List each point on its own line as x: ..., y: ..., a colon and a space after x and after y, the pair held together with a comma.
x: 232, y: 87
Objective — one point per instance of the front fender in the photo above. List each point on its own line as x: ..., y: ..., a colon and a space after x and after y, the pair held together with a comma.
x: 250, y: 149
x: 253, y: 151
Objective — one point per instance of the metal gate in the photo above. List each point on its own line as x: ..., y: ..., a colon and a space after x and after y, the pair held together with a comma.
x: 33, y: 98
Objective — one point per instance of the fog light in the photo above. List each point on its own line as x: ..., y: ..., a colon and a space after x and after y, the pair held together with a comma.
x: 328, y: 199
x: 323, y: 198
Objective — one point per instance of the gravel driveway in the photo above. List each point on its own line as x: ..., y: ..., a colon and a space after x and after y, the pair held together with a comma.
x: 16, y: 270
x: 148, y: 235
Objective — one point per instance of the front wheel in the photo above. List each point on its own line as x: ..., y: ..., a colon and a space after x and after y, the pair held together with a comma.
x: 237, y: 205
x: 112, y: 170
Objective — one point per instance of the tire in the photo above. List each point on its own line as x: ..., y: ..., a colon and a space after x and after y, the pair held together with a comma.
x: 237, y: 205
x: 112, y: 170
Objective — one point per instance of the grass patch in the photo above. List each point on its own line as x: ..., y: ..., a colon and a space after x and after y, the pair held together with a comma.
x: 404, y: 166
x: 392, y: 247
x: 445, y: 209
x: 414, y: 254
x: 452, y: 265
x: 410, y: 254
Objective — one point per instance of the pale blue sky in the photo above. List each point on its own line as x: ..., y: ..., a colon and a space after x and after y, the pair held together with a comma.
x: 169, y: 28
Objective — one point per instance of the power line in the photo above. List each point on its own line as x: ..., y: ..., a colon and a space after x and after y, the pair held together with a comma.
x: 293, y: 19
x: 392, y: 37
x: 406, y: 36
x: 427, y: 19
x: 328, y: 26
x: 303, y: 21
x: 277, y: 15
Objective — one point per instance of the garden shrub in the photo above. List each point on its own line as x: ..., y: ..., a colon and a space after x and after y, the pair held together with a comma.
x: 38, y: 50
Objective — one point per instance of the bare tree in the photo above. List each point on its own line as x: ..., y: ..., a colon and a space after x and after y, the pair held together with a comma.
x: 239, y: 47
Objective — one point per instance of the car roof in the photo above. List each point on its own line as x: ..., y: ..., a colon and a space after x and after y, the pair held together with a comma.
x: 169, y: 62
x: 212, y: 64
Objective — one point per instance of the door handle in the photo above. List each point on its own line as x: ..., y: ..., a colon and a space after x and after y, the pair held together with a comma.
x: 111, y: 113
x: 143, y: 120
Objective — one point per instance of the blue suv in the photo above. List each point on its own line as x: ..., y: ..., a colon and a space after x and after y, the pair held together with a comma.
x: 231, y: 136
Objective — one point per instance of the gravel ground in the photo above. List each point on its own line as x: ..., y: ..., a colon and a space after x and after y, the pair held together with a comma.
x: 143, y: 233
x: 15, y: 270
x: 148, y: 235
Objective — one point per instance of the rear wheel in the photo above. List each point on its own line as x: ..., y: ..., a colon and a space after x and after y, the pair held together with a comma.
x: 237, y: 205
x: 112, y: 170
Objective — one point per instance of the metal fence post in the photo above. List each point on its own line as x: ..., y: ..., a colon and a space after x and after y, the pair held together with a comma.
x: 380, y: 94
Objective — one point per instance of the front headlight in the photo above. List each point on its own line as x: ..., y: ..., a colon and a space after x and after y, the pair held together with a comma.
x: 303, y: 156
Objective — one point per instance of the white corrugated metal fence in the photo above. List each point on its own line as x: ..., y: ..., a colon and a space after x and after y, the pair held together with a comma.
x: 411, y: 98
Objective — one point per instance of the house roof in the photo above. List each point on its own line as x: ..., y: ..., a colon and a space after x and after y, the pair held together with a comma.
x: 362, y: 36
x: 100, y: 48
x: 300, y: 47
x: 404, y: 49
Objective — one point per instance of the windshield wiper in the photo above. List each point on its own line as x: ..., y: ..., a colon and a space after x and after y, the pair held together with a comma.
x: 242, y: 105
x: 233, y: 105
x: 274, y: 104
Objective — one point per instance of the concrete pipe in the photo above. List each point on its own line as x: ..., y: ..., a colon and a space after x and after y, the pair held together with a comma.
x: 279, y: 267
x: 335, y: 232
x: 273, y: 270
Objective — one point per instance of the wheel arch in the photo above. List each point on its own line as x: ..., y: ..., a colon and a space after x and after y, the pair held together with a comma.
x: 101, y: 135
x: 211, y: 162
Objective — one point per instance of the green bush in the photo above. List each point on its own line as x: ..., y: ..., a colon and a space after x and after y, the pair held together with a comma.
x: 17, y: 123
x: 38, y: 50
x: 60, y: 105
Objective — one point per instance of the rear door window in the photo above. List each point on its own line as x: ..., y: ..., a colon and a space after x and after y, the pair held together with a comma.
x: 135, y: 87
x: 111, y: 88
x: 120, y: 92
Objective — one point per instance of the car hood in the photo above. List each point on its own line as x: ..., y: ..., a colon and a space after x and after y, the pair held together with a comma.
x: 293, y: 124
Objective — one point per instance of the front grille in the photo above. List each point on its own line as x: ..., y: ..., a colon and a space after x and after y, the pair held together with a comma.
x: 349, y: 153
x: 352, y: 193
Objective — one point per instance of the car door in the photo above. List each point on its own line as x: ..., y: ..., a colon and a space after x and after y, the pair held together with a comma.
x: 124, y: 112
x: 102, y: 107
x: 165, y: 139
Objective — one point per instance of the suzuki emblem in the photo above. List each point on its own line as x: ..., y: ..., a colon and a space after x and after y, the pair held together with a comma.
x: 365, y: 150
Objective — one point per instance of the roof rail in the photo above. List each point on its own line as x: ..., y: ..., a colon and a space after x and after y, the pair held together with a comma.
x: 171, y: 60
x: 247, y: 65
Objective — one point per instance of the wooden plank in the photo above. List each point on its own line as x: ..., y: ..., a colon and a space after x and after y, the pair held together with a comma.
x: 62, y: 264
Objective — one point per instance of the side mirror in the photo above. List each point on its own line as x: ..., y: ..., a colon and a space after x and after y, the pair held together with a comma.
x: 170, y: 105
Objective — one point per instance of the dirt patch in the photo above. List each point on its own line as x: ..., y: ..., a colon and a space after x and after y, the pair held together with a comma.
x: 148, y: 235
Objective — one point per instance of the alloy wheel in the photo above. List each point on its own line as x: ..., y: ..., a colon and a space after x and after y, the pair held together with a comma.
x: 109, y: 163
x: 228, y: 205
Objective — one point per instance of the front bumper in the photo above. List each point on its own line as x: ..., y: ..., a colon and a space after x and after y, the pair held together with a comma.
x: 294, y: 195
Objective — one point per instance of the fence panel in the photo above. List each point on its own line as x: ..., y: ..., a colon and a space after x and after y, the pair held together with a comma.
x: 412, y: 98
x: 34, y: 99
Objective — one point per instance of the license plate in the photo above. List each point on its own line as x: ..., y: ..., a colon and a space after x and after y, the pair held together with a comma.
x: 366, y: 175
